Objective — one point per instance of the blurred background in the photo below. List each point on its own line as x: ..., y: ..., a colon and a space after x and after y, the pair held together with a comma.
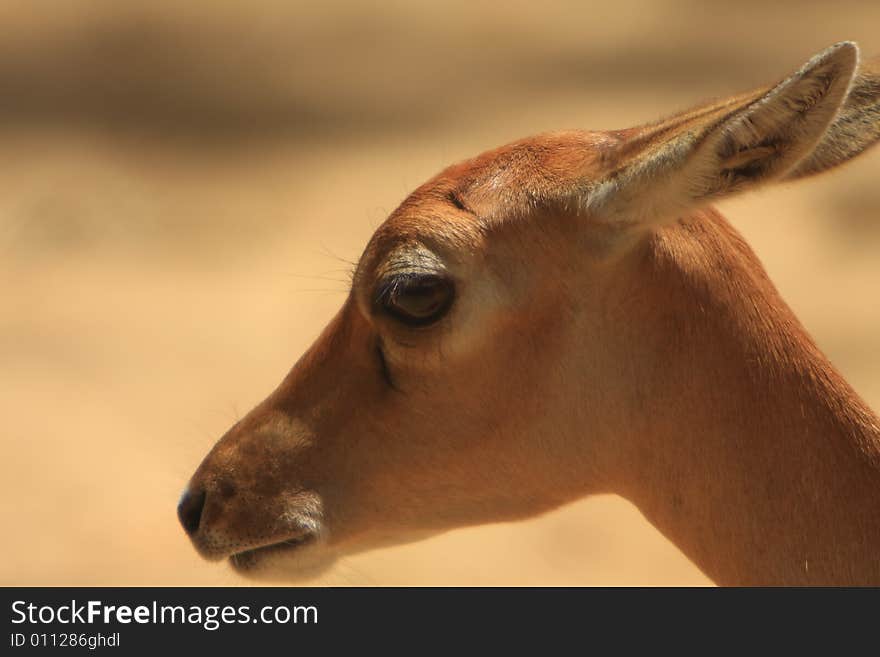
x: 182, y: 183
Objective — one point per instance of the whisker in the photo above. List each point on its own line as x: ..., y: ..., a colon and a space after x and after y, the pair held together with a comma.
x: 325, y: 251
x: 319, y: 277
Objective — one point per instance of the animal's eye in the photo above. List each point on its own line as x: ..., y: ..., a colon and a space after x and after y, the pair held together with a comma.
x: 416, y: 299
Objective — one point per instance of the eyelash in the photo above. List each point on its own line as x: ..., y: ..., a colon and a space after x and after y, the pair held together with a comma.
x: 388, y: 292
x: 388, y: 289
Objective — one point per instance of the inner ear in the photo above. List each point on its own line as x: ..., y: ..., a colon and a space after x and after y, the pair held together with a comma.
x: 691, y: 159
x: 749, y: 163
x: 768, y: 137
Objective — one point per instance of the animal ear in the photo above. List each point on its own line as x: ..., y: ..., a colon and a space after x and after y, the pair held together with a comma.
x: 856, y: 128
x: 737, y: 144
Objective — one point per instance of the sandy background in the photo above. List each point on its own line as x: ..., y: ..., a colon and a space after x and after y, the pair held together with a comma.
x: 181, y: 182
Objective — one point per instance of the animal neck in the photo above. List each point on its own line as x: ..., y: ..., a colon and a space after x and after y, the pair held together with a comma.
x: 749, y: 450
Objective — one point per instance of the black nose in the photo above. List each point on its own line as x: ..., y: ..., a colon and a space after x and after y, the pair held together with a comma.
x: 189, y: 511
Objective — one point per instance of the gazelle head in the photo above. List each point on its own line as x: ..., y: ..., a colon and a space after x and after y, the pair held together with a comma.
x: 497, y: 354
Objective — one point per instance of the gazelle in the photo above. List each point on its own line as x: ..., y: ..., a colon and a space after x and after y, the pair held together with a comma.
x: 565, y: 316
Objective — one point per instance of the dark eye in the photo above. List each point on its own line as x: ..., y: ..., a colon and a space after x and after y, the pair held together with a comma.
x: 416, y: 299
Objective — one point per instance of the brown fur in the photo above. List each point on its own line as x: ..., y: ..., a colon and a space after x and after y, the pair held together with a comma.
x: 610, y: 333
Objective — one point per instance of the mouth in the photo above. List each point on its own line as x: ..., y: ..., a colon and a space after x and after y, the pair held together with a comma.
x: 248, y: 560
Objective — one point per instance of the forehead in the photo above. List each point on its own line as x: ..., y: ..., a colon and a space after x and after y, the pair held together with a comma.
x: 453, y: 209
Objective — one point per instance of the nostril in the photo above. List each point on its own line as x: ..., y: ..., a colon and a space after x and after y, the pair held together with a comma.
x: 189, y: 511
